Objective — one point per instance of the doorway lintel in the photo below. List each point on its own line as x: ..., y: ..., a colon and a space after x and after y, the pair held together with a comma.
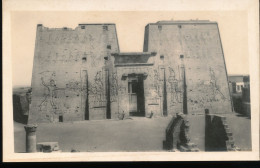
x: 143, y: 75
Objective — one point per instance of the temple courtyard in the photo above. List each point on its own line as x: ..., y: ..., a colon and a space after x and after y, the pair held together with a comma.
x: 133, y: 134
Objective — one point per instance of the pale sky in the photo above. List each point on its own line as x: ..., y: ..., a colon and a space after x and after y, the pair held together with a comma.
x: 130, y: 30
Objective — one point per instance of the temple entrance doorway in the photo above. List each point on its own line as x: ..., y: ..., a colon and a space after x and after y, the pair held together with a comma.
x: 136, y: 95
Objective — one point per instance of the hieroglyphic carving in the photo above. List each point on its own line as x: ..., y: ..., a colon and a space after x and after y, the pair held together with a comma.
x: 215, y: 88
x: 114, y: 87
x: 121, y: 90
x: 73, y: 86
x: 175, y: 88
x: 64, y: 56
x: 76, y: 38
x: 97, y: 89
x: 156, y: 82
x: 93, y: 59
x: 209, y: 92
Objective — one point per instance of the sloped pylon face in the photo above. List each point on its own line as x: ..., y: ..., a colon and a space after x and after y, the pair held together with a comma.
x: 80, y: 74
x: 192, y: 57
x: 69, y: 72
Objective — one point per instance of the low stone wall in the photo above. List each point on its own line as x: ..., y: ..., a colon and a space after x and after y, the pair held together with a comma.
x: 20, y: 109
x: 241, y: 102
x: 237, y: 104
x: 247, y: 109
x: 177, y: 135
x: 168, y: 143
x: 21, y: 104
x: 246, y: 102
x: 218, y: 136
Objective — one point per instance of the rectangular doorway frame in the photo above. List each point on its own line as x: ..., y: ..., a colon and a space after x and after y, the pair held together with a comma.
x: 136, y: 92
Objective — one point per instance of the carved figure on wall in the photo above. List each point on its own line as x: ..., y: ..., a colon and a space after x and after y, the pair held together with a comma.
x: 84, y: 39
x: 156, y: 82
x: 97, y: 89
x: 90, y: 38
x: 93, y: 59
x: 215, y: 88
x: 175, y: 91
x: 51, y: 94
x: 76, y: 38
x: 70, y: 56
x: 121, y: 90
x: 114, y: 87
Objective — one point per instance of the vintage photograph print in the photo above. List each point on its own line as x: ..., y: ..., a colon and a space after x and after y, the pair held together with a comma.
x: 130, y: 81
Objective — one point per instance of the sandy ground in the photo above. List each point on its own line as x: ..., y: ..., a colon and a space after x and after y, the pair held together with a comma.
x: 139, y: 134
x: 240, y: 126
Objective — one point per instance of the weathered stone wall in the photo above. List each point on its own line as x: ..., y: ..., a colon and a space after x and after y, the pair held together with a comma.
x: 194, y: 47
x: 20, y: 108
x: 75, y: 76
x: 68, y: 63
x: 21, y: 104
x: 246, y: 101
x: 218, y: 136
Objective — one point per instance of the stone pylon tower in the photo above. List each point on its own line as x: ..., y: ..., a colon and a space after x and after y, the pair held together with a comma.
x: 69, y: 72
x: 195, y: 47
x: 80, y: 74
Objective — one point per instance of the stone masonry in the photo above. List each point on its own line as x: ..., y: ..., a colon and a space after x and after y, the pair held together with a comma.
x: 177, y: 135
x: 218, y: 136
x: 80, y: 74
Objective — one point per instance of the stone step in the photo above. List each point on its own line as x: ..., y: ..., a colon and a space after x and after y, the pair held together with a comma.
x: 237, y: 149
x: 226, y: 126
x: 227, y: 130
x: 184, y: 149
x: 191, y: 145
x: 230, y: 144
x: 224, y: 122
x: 175, y: 150
x: 230, y: 138
x: 229, y: 134
x: 187, y: 125
x: 231, y: 149
x: 195, y: 150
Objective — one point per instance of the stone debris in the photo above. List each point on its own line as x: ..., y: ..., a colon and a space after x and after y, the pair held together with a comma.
x: 48, y: 147
x: 177, y: 136
x: 218, y: 136
x: 74, y: 150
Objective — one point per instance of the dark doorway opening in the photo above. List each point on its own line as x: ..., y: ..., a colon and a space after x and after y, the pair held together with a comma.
x: 60, y: 118
x: 136, y: 96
